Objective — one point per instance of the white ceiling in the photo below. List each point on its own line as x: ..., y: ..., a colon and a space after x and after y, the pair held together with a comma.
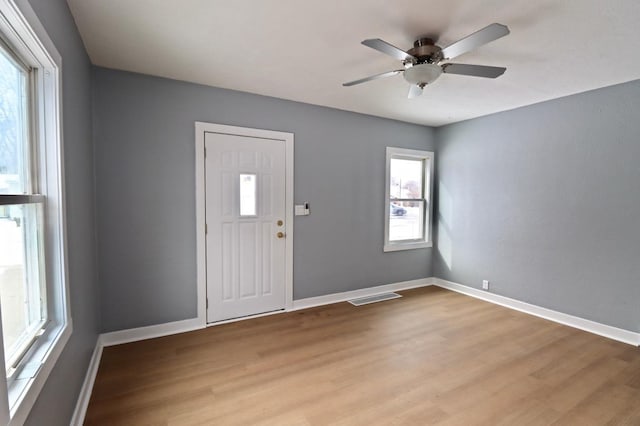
x: 305, y: 50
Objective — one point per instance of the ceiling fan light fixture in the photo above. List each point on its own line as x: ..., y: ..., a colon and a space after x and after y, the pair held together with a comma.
x: 422, y: 74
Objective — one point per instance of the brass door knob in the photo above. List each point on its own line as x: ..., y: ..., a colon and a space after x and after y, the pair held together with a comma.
x: 280, y: 234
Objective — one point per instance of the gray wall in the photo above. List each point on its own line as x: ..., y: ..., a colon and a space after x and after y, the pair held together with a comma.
x: 544, y: 201
x: 58, y: 397
x: 144, y: 141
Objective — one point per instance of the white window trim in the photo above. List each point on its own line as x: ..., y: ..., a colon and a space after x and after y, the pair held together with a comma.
x: 24, y: 31
x: 429, y: 158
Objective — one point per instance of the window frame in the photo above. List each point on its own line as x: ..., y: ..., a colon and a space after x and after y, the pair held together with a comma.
x: 428, y: 159
x: 30, y: 196
x: 25, y: 36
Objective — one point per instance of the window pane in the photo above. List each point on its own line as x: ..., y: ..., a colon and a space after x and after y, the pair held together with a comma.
x: 14, y: 154
x: 406, y: 221
x: 247, y: 195
x: 20, y: 277
x: 406, y: 178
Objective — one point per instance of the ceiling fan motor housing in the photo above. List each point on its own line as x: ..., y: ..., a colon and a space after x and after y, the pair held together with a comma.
x: 425, y: 51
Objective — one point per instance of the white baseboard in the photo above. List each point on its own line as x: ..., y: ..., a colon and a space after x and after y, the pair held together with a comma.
x: 87, y: 386
x: 328, y: 299
x: 160, y: 330
x: 614, y: 333
x: 151, y: 332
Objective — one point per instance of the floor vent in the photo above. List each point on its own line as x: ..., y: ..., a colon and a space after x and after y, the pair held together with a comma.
x: 374, y: 299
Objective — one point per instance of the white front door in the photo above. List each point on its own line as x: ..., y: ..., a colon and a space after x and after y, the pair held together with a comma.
x: 245, y: 220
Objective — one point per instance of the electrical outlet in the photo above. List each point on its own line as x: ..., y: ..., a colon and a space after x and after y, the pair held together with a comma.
x: 485, y: 284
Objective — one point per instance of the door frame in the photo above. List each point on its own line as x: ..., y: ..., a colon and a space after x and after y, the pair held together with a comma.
x: 202, y: 129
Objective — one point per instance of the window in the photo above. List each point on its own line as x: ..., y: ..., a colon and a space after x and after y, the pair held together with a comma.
x: 21, y: 258
x: 33, y: 288
x: 248, y: 195
x: 408, y: 209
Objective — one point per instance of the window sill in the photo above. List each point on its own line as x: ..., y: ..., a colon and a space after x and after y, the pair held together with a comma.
x: 406, y: 246
x: 23, y: 393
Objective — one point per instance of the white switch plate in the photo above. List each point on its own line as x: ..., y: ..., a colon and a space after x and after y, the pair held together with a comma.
x: 485, y: 284
x: 302, y: 209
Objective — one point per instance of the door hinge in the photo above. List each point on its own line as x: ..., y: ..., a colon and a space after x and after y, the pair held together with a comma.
x: 205, y: 152
x: 206, y: 228
x: 207, y: 302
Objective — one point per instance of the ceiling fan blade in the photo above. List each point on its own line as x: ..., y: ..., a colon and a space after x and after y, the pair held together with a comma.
x: 414, y: 91
x: 473, y: 70
x: 475, y: 40
x: 372, y: 77
x: 386, y: 48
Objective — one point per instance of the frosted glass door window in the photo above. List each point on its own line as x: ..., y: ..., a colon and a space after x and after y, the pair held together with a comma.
x: 248, y: 195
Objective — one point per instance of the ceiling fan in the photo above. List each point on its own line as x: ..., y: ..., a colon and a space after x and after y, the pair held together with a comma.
x: 422, y: 63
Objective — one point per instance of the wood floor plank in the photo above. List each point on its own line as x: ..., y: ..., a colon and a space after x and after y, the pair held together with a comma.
x: 431, y: 357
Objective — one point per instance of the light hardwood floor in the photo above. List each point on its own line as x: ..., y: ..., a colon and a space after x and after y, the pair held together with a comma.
x: 431, y: 357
